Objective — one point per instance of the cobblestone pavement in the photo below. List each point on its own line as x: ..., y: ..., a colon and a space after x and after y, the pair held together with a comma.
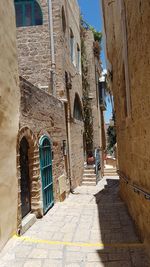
x: 91, y: 215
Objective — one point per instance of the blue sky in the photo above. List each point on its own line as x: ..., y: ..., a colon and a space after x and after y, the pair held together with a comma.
x: 91, y: 12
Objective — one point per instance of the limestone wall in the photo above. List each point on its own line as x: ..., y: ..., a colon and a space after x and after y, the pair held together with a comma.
x: 9, y: 111
x: 64, y: 64
x: 44, y: 114
x: 133, y: 128
x: 93, y: 83
x: 34, y: 53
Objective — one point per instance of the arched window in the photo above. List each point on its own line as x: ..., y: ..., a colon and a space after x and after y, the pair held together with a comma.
x: 28, y: 13
x: 77, y: 112
x: 63, y: 19
x: 71, y: 46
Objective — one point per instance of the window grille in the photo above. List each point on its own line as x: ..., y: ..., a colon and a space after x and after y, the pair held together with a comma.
x: 28, y: 13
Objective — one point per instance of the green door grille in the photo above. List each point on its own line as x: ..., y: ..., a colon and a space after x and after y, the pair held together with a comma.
x: 46, y: 172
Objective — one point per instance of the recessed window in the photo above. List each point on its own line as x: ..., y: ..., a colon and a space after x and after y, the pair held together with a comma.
x: 63, y: 20
x: 28, y: 13
x: 71, y: 46
x: 77, y: 112
x: 78, y: 59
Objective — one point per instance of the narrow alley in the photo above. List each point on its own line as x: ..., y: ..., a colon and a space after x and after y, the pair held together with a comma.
x: 90, y: 228
x: 74, y: 133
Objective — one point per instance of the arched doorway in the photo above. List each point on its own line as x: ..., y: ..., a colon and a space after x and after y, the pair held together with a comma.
x: 46, y: 172
x: 25, y: 178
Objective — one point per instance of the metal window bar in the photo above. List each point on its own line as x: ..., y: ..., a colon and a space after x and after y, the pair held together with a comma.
x: 24, y: 8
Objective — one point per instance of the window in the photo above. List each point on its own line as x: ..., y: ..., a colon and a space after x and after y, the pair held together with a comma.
x: 63, y: 20
x: 71, y: 46
x: 77, y: 113
x: 28, y: 13
x: 78, y: 59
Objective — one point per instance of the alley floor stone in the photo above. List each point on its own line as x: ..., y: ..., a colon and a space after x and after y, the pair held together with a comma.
x: 90, y: 228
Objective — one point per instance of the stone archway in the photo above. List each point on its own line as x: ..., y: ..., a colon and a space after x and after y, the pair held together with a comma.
x: 34, y: 174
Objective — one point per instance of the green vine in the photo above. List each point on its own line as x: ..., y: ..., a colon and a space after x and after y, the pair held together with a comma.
x: 88, y: 119
x: 97, y: 34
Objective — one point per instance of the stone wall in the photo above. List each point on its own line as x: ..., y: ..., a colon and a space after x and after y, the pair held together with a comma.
x: 44, y: 114
x: 64, y: 65
x: 93, y: 76
x: 34, y: 53
x: 41, y: 114
x: 9, y: 122
x: 133, y: 126
x: 35, y: 57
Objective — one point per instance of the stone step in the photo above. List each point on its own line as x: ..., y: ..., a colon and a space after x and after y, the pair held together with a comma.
x: 89, y: 180
x: 110, y: 174
x: 89, y: 177
x: 27, y: 222
x: 89, y: 170
x: 110, y: 169
x: 89, y: 174
x: 89, y: 183
x: 113, y: 171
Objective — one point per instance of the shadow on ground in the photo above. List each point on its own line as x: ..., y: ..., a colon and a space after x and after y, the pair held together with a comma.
x: 122, y: 247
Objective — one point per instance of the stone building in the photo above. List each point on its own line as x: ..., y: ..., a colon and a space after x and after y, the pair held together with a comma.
x: 66, y: 18
x: 94, y: 91
x: 41, y: 168
x: 9, y: 121
x: 49, y: 58
x: 50, y: 139
x: 94, y: 73
x: 126, y: 25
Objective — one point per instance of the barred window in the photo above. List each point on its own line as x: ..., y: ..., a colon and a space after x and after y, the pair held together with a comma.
x: 28, y: 13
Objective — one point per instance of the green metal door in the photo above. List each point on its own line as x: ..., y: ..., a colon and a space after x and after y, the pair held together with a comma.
x: 46, y: 172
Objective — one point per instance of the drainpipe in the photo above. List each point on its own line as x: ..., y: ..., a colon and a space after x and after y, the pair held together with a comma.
x: 51, y: 34
x: 69, y: 146
x: 69, y: 137
x: 100, y: 127
x: 68, y: 130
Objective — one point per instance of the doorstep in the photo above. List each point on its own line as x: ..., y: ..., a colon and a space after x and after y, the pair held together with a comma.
x: 27, y: 222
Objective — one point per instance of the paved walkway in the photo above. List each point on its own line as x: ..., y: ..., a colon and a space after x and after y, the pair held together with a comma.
x: 91, y: 217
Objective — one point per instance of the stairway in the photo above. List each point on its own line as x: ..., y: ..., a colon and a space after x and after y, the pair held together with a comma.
x: 110, y: 171
x: 89, y: 176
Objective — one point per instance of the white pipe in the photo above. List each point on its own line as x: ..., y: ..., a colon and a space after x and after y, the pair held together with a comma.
x: 51, y: 32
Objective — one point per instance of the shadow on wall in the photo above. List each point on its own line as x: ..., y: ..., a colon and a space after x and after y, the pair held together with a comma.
x: 122, y: 247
